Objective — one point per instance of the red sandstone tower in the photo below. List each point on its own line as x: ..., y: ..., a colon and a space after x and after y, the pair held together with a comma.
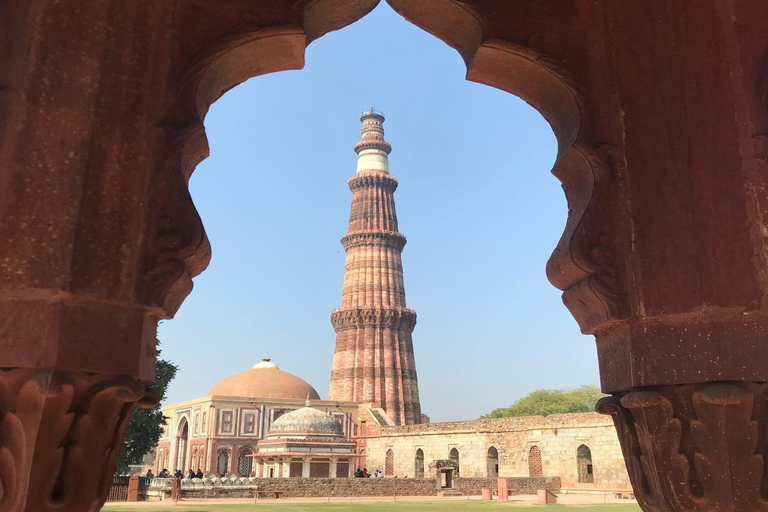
x: 373, y: 361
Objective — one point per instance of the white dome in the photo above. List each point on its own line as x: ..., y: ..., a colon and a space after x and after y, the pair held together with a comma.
x: 266, y: 363
x: 306, y: 421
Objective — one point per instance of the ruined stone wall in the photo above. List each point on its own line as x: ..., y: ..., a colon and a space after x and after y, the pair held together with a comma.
x: 322, y: 487
x: 298, y: 487
x: 557, y: 437
x: 520, y: 485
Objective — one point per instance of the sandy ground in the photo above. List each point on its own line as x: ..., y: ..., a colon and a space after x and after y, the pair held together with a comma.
x: 563, y: 499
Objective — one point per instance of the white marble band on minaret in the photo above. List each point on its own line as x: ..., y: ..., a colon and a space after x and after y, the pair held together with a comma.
x: 372, y: 150
x: 373, y: 362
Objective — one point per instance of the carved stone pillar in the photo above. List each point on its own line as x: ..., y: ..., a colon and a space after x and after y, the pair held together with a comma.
x: 661, y: 117
x: 65, y: 429
x: 101, y: 111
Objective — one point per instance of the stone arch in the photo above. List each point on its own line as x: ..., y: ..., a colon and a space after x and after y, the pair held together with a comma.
x: 362, y: 459
x: 193, y: 464
x: 232, y: 59
x: 535, y: 468
x: 244, y: 461
x: 453, y: 454
x: 584, y: 468
x: 182, y: 444
x: 492, y: 462
x: 418, y: 469
x: 202, y: 462
x: 222, y: 463
x: 389, y: 463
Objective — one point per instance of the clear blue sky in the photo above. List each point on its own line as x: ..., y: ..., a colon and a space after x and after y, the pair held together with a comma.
x: 476, y: 201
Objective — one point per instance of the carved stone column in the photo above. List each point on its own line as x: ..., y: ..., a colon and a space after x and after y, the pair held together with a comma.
x: 64, y: 429
x: 661, y: 119
x: 101, y: 111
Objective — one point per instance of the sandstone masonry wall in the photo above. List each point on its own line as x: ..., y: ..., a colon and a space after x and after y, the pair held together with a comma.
x: 321, y: 487
x: 557, y: 436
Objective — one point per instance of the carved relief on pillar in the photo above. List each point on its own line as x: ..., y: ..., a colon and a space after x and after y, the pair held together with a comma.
x: 60, y: 436
x: 694, y: 447
x: 583, y: 263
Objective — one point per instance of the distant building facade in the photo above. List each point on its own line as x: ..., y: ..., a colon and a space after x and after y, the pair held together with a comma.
x: 219, y: 433
x: 267, y: 423
x: 582, y: 449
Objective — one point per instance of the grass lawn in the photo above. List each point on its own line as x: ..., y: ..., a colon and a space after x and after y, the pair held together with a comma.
x: 416, y: 506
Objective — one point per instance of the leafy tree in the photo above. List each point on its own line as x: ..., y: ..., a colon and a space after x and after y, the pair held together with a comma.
x: 146, y: 425
x: 551, y: 401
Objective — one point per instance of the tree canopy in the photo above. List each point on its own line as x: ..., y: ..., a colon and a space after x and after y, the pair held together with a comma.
x: 146, y: 425
x: 551, y: 401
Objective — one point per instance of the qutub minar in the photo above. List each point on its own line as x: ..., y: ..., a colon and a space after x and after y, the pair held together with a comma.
x: 373, y: 362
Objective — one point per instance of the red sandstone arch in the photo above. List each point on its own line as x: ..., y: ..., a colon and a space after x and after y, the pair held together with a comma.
x: 660, y: 114
x: 520, y: 70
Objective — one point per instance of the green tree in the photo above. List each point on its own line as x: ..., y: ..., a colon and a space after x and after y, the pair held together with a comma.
x: 146, y: 425
x: 551, y: 401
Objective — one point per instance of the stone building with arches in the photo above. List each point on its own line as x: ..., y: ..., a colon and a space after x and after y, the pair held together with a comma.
x: 581, y: 449
x: 219, y: 432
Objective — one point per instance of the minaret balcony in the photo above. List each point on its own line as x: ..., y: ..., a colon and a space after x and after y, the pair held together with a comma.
x: 372, y: 180
x: 391, y: 239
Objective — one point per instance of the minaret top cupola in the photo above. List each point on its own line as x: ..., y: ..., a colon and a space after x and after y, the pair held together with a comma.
x: 372, y: 150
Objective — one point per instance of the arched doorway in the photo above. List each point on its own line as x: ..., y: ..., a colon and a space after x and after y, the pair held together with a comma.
x: 418, y: 470
x: 389, y: 463
x: 454, y: 456
x: 492, y: 462
x: 584, y: 465
x: 245, y: 462
x: 222, y: 463
x: 534, y: 462
x: 362, y: 460
x: 182, y: 435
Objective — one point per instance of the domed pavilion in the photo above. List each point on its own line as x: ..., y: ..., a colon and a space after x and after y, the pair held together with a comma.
x: 305, y: 443
x: 219, y: 433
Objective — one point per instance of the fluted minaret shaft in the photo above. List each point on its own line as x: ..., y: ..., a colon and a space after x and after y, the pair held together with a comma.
x: 373, y: 361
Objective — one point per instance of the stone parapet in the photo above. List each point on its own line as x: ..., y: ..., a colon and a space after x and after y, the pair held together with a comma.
x: 516, y: 424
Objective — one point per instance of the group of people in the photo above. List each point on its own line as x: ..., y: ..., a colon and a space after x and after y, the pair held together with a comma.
x: 176, y: 474
x: 363, y: 473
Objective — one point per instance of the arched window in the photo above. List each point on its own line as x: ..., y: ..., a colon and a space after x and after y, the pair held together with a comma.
x: 182, y: 434
x: 534, y: 462
x: 584, y: 465
x: 222, y: 463
x: 389, y: 463
x: 419, y: 464
x: 362, y: 460
x: 244, y: 462
x: 193, y: 464
x: 492, y: 462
